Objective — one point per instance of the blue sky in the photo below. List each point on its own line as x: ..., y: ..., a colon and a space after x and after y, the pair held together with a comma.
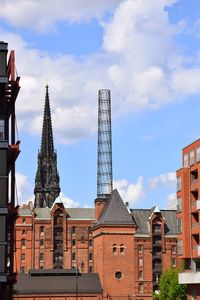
x: 146, y: 52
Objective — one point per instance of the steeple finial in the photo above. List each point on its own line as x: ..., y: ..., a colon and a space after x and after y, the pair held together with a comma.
x: 47, y: 179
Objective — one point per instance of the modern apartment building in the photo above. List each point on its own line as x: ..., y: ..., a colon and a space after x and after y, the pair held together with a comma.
x: 188, y: 216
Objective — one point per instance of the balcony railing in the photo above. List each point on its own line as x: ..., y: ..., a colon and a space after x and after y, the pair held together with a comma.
x: 194, y: 225
x: 189, y: 278
x: 198, y: 204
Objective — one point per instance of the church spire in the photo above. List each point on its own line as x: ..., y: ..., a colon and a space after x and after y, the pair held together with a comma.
x: 47, y: 147
x: 47, y: 179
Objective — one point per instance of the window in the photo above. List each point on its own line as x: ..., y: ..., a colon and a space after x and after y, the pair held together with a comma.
x: 173, y: 249
x: 90, y: 256
x: 90, y: 268
x: 23, y: 243
x: 173, y: 262
x: 156, y: 277
x: 178, y: 183
x: 23, y: 221
x: 121, y: 249
x: 140, y: 275
x: 185, y: 160
x: 41, y: 256
x: 140, y: 261
x: 23, y: 256
x: 118, y: 275
x: 82, y: 239
x: 2, y: 130
x: 73, y: 230
x: 180, y: 247
x: 194, y: 295
x: 191, y: 157
x: 114, y: 249
x: 140, y: 288
x: 140, y: 248
x: 42, y: 242
x: 90, y: 242
x: 179, y: 204
x: 73, y: 242
x: 179, y: 225
x: 198, y: 154
x: 41, y: 230
x: 82, y: 267
x: 73, y: 256
x: 23, y: 231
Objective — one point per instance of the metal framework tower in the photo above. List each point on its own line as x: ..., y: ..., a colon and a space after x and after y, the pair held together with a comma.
x: 104, y: 160
x: 9, y: 150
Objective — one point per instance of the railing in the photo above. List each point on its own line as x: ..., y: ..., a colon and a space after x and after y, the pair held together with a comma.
x: 194, y: 225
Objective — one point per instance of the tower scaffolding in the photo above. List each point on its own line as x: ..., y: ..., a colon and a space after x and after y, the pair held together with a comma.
x: 104, y: 156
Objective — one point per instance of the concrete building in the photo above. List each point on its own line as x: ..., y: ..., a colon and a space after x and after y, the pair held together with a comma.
x: 188, y: 195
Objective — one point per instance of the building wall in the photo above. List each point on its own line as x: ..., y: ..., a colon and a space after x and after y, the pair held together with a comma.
x: 37, y: 249
x: 188, y: 215
x: 93, y: 251
x: 57, y: 297
x: 114, y: 259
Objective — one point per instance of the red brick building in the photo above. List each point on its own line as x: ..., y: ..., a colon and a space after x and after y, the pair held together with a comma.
x: 128, y: 248
x: 188, y: 189
x: 118, y: 251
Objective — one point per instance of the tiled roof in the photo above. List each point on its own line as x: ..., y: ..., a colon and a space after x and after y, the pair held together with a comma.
x: 81, y: 213
x: 141, y: 217
x: 25, y: 211
x: 57, y: 283
x: 115, y: 211
x: 74, y: 213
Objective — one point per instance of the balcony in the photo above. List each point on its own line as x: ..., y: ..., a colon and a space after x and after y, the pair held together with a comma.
x: 157, y: 232
x: 198, y: 204
x: 157, y: 255
x: 157, y: 268
x: 189, y: 278
x: 157, y: 242
x: 194, y: 184
x: 58, y: 265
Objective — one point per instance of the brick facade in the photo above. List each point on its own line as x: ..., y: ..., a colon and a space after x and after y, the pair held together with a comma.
x: 188, y: 216
x: 129, y: 259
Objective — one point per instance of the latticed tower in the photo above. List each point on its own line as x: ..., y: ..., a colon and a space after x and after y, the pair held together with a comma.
x: 47, y: 181
x: 104, y: 160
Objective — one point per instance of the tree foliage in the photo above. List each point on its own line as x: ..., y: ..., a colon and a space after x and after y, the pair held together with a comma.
x: 169, y: 287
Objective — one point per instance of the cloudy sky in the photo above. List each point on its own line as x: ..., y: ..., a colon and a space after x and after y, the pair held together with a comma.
x: 146, y: 52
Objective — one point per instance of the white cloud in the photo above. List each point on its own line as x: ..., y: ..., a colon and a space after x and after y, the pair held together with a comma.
x: 130, y: 192
x: 43, y: 15
x: 68, y: 202
x: 138, y: 63
x: 162, y: 180
x: 186, y: 81
x: 24, y: 189
x: 171, y: 201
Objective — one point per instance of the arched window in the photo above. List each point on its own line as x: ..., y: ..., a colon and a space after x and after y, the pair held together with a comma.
x: 140, y: 248
x: 121, y: 249
x: 114, y: 249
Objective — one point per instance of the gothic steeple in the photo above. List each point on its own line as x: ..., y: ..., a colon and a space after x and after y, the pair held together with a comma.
x: 47, y: 179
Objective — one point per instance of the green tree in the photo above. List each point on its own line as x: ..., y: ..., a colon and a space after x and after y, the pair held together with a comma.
x: 169, y: 287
